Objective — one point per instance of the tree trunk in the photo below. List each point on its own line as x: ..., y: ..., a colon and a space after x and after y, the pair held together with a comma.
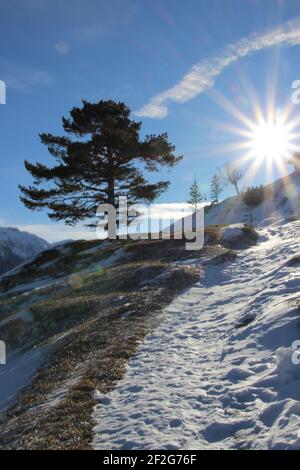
x: 237, y: 189
x: 111, y: 180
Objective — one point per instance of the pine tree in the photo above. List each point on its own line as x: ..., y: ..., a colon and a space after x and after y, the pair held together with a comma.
x: 195, y: 195
x: 216, y: 188
x: 100, y: 158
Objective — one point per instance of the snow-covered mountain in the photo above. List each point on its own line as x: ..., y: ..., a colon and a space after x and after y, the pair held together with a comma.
x: 17, y: 246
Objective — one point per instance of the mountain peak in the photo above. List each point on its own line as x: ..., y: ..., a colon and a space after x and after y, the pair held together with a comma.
x: 17, y: 246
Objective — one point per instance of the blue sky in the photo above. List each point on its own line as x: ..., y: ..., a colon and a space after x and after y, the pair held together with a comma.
x: 55, y: 53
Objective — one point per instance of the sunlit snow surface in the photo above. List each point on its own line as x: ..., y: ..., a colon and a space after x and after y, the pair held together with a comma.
x: 198, y: 381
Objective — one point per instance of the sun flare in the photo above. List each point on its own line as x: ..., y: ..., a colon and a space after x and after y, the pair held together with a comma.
x: 271, y: 140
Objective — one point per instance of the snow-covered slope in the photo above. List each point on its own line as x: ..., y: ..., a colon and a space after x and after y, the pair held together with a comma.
x: 218, y: 372
x: 17, y: 246
x: 66, y: 314
x: 283, y: 203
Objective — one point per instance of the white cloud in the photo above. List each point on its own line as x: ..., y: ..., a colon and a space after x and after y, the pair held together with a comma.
x: 174, y: 210
x: 21, y: 78
x: 202, y: 75
x: 62, y: 47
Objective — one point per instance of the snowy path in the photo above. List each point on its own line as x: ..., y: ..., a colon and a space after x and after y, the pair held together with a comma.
x: 200, y: 382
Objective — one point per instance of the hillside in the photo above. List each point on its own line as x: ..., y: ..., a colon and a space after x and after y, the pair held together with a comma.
x: 145, y: 345
x: 17, y: 246
x: 281, y: 203
x: 218, y: 372
x: 71, y: 319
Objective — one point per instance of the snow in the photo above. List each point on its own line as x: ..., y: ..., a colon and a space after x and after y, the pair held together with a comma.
x: 22, y: 244
x: 35, y: 285
x: 118, y: 255
x: 17, y: 247
x: 57, y: 396
x: 217, y: 373
x: 16, y: 374
x: 232, y: 231
x: 284, y: 203
x: 114, y: 258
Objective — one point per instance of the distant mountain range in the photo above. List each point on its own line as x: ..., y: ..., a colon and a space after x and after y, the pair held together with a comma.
x: 16, y: 247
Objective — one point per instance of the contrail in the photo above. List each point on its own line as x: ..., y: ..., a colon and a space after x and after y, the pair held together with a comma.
x: 202, y: 75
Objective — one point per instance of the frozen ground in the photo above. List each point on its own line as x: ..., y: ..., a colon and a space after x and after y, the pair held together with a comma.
x: 218, y: 372
x: 232, y: 231
x: 17, y: 374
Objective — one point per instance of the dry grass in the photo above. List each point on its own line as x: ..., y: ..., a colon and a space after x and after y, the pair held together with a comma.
x: 100, y: 316
x: 106, y: 316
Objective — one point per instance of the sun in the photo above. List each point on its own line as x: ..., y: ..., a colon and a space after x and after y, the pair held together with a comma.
x: 258, y: 138
x: 270, y: 140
